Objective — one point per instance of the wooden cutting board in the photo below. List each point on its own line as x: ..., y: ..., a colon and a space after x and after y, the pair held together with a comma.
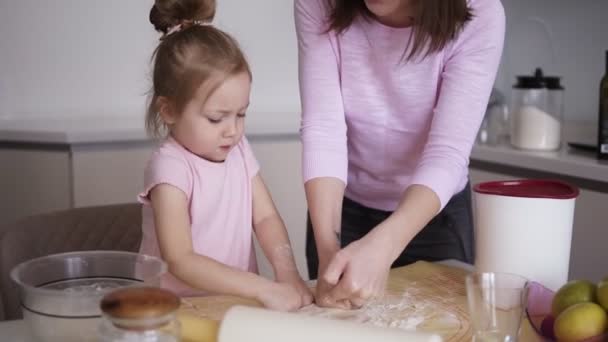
x: 423, y: 296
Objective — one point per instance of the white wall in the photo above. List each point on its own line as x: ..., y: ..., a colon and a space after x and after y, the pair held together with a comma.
x: 575, y: 30
x: 91, y: 57
x: 266, y: 32
x: 65, y: 55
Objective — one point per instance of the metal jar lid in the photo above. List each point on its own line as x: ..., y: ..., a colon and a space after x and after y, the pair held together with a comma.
x: 538, y: 81
x: 140, y: 307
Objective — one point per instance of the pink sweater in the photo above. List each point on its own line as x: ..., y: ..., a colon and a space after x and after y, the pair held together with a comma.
x: 380, y: 124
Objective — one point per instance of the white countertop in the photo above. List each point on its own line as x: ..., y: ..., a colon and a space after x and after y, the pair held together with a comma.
x: 72, y: 130
x: 14, y: 331
x: 113, y: 128
x: 566, y: 161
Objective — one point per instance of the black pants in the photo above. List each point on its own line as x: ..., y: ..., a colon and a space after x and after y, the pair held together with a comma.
x: 449, y: 235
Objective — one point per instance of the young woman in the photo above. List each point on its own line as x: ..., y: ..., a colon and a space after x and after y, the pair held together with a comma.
x: 393, y: 93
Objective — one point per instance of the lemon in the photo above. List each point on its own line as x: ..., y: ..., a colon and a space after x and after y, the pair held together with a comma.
x: 602, y: 293
x: 196, y: 329
x: 574, y: 292
x: 580, y: 321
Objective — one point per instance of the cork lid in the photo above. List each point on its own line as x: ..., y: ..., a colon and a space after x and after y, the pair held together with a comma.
x: 139, y: 303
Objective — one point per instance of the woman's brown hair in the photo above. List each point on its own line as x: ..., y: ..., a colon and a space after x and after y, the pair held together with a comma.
x: 436, y: 22
x: 185, y: 60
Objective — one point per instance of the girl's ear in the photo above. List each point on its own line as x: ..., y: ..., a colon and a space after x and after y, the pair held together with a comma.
x: 165, y: 110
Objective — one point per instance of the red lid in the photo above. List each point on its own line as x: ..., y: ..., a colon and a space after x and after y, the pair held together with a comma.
x: 532, y: 188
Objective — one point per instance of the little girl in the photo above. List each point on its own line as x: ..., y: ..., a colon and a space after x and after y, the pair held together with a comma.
x: 203, y: 193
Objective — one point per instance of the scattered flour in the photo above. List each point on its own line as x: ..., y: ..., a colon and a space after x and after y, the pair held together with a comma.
x: 407, y: 311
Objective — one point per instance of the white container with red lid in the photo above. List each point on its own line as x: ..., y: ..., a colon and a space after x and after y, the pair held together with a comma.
x: 525, y: 227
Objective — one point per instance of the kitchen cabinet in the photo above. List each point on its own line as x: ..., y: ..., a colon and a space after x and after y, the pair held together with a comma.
x: 280, y: 163
x: 33, y: 181
x: 46, y: 179
x: 106, y: 175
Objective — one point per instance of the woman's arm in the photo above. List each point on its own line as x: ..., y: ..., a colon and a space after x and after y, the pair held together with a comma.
x: 170, y: 206
x: 323, y: 130
x: 417, y: 207
x: 324, y: 197
x: 469, y: 72
x: 466, y: 83
x: 274, y: 240
x: 360, y: 270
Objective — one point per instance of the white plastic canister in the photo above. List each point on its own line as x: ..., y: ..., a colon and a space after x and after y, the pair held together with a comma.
x: 525, y: 227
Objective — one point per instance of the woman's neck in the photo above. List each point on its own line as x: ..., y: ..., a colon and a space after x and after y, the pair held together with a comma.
x: 402, y: 17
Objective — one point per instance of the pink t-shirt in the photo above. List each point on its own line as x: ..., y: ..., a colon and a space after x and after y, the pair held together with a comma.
x: 381, y: 124
x: 219, y: 200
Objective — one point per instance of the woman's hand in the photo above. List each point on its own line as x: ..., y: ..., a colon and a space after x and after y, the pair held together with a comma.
x: 359, y: 272
x: 322, y: 295
x: 279, y: 296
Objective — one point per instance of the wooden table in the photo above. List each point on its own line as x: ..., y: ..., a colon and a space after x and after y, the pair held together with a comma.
x: 423, y: 296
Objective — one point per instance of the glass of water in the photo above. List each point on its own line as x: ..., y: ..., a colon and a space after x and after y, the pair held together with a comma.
x: 496, y: 305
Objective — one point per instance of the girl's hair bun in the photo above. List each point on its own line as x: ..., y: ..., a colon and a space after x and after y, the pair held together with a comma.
x: 168, y: 13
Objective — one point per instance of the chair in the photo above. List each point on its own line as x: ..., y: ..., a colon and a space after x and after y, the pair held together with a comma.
x: 111, y: 227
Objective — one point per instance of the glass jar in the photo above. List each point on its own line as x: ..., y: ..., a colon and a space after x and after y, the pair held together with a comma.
x: 140, y: 314
x: 494, y: 128
x: 537, y: 112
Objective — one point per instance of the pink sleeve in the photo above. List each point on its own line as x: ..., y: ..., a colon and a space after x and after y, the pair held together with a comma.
x: 467, y: 80
x: 251, y: 163
x: 323, y: 127
x: 166, y: 169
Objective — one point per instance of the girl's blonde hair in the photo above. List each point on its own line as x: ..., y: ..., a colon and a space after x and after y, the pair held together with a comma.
x: 188, y: 58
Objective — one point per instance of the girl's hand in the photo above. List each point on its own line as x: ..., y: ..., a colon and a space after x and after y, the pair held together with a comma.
x: 296, y: 281
x: 286, y: 272
x: 279, y: 296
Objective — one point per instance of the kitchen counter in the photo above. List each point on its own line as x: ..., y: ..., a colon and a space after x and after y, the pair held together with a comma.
x: 578, y: 166
x: 112, y: 128
x: 72, y: 130
x: 566, y: 162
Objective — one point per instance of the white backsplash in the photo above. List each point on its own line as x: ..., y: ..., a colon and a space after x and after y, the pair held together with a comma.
x: 566, y: 38
x: 91, y: 57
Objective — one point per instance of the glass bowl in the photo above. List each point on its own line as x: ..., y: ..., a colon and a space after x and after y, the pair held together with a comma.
x: 538, y: 309
x: 60, y: 293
